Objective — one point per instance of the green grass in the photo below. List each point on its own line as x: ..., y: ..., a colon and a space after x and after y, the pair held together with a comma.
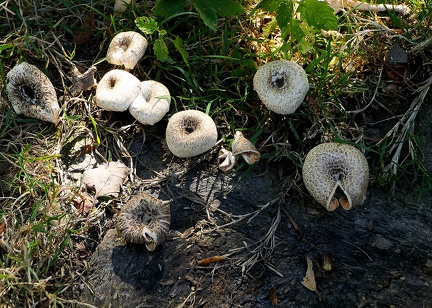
x: 207, y: 70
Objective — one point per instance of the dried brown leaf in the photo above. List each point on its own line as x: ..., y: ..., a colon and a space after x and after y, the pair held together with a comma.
x: 210, y: 260
x: 309, y: 279
x: 273, y: 296
x: 107, y: 179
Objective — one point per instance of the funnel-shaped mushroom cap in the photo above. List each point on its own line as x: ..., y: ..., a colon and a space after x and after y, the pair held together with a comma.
x: 32, y: 94
x: 336, y: 174
x: 144, y: 220
x: 126, y: 48
x: 245, y: 148
x: 190, y: 133
x: 117, y: 90
x: 281, y: 85
x: 152, y: 103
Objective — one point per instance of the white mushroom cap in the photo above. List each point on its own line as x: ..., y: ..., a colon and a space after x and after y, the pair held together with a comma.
x: 117, y: 90
x: 190, y: 133
x: 121, y: 5
x: 334, y: 169
x: 281, y: 85
x: 126, y: 48
x: 152, y: 103
x: 144, y: 220
x: 32, y: 94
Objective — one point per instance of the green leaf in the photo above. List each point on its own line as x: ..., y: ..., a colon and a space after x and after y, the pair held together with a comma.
x: 178, y: 44
x: 266, y: 5
x: 147, y: 24
x: 225, y: 8
x: 160, y: 50
x: 207, y: 13
x: 284, y: 14
x: 318, y: 14
x: 168, y: 8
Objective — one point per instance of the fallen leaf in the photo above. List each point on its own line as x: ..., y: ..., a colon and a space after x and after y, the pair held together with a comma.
x: 83, y: 35
x: 107, y: 179
x: 211, y: 260
x: 84, y: 81
x: 327, y: 262
x: 309, y: 279
x: 273, y: 296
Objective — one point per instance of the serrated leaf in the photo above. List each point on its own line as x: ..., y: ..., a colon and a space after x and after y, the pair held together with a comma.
x: 160, y: 50
x: 168, y: 8
x: 147, y: 24
x: 207, y: 13
x: 284, y: 14
x: 318, y: 14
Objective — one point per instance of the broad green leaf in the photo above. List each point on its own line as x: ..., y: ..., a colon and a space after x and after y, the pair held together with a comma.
x: 168, y: 8
x: 266, y: 5
x: 225, y: 8
x: 207, y: 13
x: 160, y: 50
x: 284, y: 14
x: 318, y: 14
x: 147, y: 24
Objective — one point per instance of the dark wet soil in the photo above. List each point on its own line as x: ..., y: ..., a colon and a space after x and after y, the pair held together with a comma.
x: 380, y: 252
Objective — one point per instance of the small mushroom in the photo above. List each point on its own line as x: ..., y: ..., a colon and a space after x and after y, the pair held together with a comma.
x: 152, y: 103
x: 336, y: 174
x: 144, y: 220
x: 117, y: 90
x: 126, y: 48
x: 245, y: 148
x: 190, y: 133
x: 226, y: 160
x: 121, y: 5
x: 32, y: 94
x: 281, y: 85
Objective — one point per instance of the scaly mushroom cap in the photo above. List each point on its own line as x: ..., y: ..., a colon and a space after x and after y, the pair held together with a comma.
x: 126, y: 48
x: 245, y: 148
x: 190, y: 133
x: 32, y: 94
x: 152, y: 103
x: 336, y: 174
x: 281, y: 85
x: 144, y: 220
x: 117, y: 90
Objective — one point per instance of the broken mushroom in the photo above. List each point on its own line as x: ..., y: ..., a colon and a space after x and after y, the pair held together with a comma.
x: 281, y: 85
x: 117, y: 90
x: 144, y: 220
x: 190, y: 133
x: 152, y: 103
x: 245, y: 148
x: 32, y: 94
x: 126, y: 48
x: 336, y: 174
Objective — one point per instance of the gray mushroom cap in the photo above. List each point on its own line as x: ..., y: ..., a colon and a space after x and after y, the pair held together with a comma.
x: 117, y: 90
x: 336, y: 174
x: 144, y: 220
x: 152, y: 103
x: 32, y: 94
x: 126, y: 48
x: 281, y: 85
x: 190, y: 133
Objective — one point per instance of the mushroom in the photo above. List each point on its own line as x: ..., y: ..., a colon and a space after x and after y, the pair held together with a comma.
x: 245, y: 148
x: 144, y: 220
x: 281, y: 85
x: 32, y: 94
x: 117, y: 90
x: 126, y: 48
x: 190, y: 133
x: 226, y: 160
x: 152, y: 103
x: 121, y: 5
x: 336, y: 174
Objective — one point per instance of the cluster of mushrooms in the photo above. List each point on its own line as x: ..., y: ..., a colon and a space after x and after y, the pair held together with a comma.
x: 335, y: 174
